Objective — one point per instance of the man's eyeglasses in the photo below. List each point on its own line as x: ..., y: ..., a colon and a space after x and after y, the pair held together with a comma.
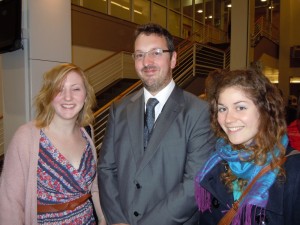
x: 153, y: 54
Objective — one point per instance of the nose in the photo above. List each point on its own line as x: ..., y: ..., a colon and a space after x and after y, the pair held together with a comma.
x: 147, y: 59
x: 230, y: 116
x: 67, y: 94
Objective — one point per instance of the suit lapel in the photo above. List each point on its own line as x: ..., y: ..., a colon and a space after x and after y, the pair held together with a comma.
x: 135, y: 120
x: 167, y: 116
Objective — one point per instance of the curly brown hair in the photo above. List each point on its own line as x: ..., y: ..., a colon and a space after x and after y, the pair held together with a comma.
x: 52, y: 82
x: 269, y: 102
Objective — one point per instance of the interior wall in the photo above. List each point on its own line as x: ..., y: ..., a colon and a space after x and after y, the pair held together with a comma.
x: 95, y: 30
x: 85, y: 57
x: 100, y: 31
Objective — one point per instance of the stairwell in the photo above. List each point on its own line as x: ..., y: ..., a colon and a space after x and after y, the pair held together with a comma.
x: 109, y: 93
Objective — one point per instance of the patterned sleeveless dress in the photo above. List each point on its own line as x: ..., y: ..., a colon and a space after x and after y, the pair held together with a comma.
x: 58, y: 182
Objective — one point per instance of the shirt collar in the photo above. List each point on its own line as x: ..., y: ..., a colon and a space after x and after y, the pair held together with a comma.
x: 161, y: 96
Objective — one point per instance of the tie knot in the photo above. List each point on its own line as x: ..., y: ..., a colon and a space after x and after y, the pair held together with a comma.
x: 151, y: 103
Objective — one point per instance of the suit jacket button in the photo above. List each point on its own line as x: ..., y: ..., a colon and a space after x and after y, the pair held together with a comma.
x: 215, y: 203
x: 138, y: 186
x: 136, y: 213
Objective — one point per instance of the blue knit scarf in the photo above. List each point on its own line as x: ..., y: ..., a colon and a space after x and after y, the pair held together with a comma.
x: 257, y: 196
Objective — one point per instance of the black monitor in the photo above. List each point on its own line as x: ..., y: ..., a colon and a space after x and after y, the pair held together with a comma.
x: 10, y: 25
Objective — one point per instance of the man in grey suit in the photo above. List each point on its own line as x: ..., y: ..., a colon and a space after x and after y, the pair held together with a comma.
x: 151, y: 182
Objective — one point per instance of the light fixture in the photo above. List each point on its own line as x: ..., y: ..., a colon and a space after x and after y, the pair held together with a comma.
x: 229, y: 6
x: 124, y: 7
x: 263, y: 0
x: 200, y: 11
x: 295, y: 80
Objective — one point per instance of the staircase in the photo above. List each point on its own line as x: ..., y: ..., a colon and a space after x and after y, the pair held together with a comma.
x: 116, y: 88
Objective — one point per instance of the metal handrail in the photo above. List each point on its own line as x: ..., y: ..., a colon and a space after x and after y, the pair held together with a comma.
x: 263, y: 28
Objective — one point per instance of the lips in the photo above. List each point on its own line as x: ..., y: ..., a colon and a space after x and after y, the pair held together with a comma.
x: 234, y: 129
x: 68, y: 106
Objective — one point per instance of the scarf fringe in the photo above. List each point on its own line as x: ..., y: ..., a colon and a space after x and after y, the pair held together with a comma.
x: 243, y: 215
x: 203, y: 198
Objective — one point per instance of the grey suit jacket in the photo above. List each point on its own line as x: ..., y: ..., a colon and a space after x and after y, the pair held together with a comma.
x: 156, y: 185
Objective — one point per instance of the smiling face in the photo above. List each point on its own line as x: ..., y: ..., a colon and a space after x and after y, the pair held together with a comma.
x: 238, y: 116
x: 70, y: 99
x: 155, y: 72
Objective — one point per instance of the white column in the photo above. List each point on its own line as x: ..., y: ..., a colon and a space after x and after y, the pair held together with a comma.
x: 46, y: 26
x: 240, y: 38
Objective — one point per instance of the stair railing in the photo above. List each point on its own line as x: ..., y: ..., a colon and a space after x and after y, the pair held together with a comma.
x: 263, y: 28
x: 101, y: 115
x: 117, y: 66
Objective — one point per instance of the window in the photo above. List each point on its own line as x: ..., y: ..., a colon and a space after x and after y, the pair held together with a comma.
x: 159, y: 15
x: 141, y: 11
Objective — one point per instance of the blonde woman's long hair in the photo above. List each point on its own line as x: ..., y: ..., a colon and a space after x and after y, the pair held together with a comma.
x: 52, y: 82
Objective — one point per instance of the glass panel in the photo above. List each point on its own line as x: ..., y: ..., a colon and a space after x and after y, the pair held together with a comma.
x: 97, y: 5
x: 163, y: 2
x: 159, y: 15
x: 175, y: 5
x: 217, y: 19
x: 226, y: 17
x: 120, y: 9
x: 199, y: 11
x: 174, y: 23
x: 187, y: 27
x: 141, y: 11
x: 187, y: 7
x: 209, y: 13
x: 200, y: 29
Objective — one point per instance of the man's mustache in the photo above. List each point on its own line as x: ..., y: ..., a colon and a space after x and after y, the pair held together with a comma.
x: 150, y: 67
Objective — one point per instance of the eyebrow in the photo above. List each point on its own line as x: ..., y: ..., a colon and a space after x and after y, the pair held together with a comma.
x: 235, y: 103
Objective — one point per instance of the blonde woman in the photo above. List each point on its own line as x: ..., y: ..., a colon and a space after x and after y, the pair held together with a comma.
x: 49, y: 172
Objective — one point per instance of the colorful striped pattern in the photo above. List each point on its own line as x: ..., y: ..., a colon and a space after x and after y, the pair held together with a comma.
x: 58, y: 182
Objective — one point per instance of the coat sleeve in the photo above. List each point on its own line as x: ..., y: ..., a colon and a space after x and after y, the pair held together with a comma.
x: 89, y: 131
x: 13, y: 180
x: 179, y: 205
x: 107, y: 176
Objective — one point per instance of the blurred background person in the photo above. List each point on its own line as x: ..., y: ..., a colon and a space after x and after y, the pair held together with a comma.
x: 294, y: 129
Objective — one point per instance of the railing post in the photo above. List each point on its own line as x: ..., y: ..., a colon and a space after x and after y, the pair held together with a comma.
x: 194, y: 59
x: 224, y: 60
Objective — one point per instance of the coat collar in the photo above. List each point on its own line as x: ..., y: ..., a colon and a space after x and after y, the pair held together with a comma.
x: 212, y: 183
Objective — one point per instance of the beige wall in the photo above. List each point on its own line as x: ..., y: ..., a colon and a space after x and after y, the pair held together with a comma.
x: 100, y: 31
x: 85, y: 57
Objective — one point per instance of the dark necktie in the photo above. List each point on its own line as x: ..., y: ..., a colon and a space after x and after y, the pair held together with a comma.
x: 149, y: 119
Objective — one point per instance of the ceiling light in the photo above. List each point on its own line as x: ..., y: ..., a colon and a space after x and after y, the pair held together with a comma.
x: 229, y: 6
x: 200, y: 11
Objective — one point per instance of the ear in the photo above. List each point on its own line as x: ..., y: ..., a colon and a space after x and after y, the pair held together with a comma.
x: 173, y: 60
